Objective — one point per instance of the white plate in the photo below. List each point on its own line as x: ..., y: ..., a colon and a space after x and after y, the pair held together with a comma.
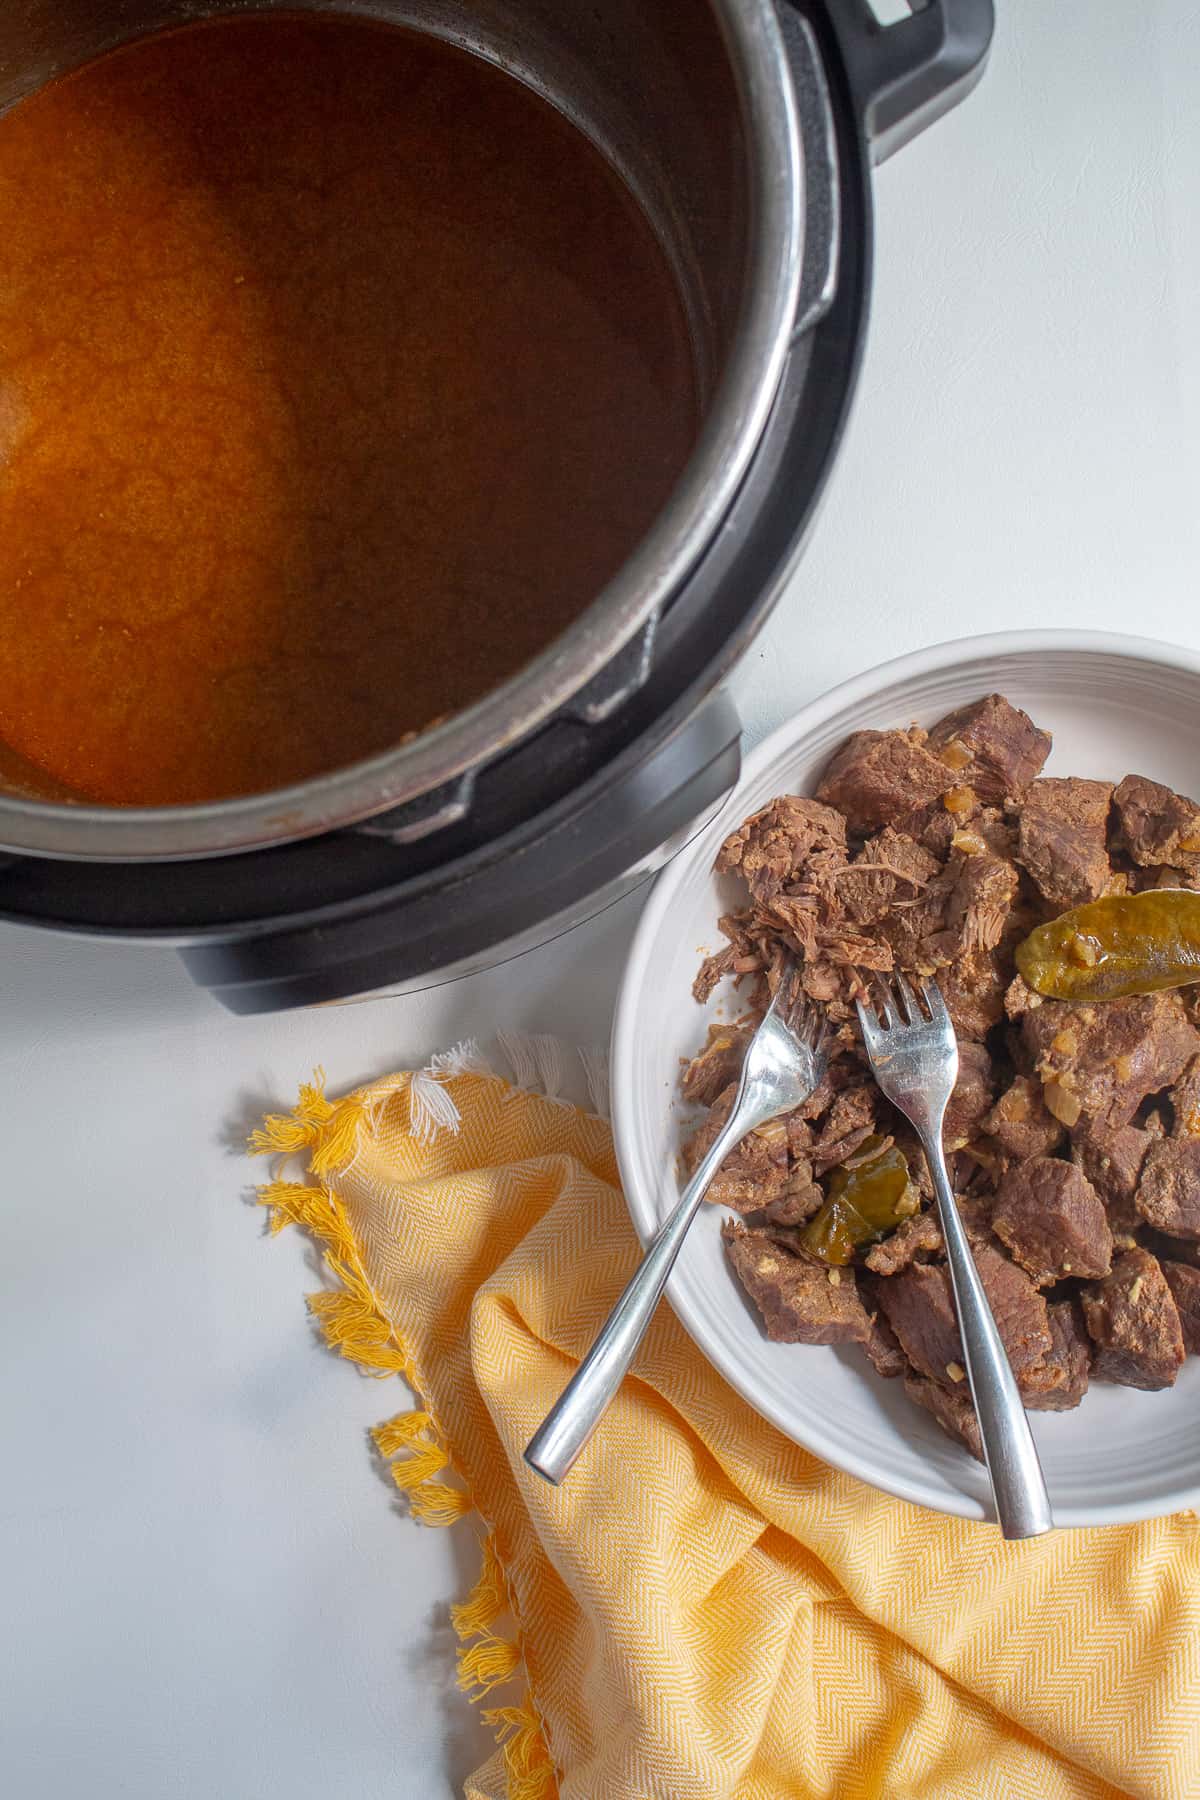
x: 1115, y: 705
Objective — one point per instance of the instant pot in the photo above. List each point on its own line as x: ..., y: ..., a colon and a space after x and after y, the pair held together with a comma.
x: 746, y: 128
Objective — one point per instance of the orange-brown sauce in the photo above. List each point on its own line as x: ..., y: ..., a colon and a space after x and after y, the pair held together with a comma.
x: 337, y: 373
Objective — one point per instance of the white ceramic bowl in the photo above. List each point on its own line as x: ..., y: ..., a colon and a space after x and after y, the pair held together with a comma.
x: 1115, y: 705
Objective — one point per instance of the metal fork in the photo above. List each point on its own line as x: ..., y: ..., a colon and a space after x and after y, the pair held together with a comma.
x: 784, y: 1063
x: 914, y: 1059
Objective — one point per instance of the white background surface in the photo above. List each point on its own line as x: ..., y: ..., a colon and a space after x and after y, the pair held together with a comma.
x: 205, y: 1589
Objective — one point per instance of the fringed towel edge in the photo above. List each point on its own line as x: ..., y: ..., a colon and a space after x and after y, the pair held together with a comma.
x: 412, y: 1443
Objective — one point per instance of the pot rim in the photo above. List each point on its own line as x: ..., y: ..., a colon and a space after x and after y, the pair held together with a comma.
x: 667, y: 554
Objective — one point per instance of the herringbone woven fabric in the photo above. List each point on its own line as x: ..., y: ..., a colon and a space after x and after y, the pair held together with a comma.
x: 704, y: 1610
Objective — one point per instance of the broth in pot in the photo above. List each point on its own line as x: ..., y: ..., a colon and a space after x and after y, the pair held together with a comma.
x: 338, y: 373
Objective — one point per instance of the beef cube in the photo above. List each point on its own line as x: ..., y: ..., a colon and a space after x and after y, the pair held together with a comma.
x: 846, y: 1127
x: 1020, y: 999
x: 1104, y: 1060
x: 718, y: 1064
x: 1063, y: 839
x: 773, y: 846
x: 919, y: 1306
x: 801, y: 1302
x: 1019, y: 1310
x: 1052, y: 1220
x: 951, y: 1407
x: 1185, y: 1103
x: 877, y: 776
x: 1021, y: 1123
x: 982, y: 897
x: 752, y: 1175
x: 1134, y: 1323
x: 889, y: 867
x: 973, y: 989
x: 972, y: 1096
x: 920, y: 1235
x: 1060, y: 1382
x: 1168, y: 1194
x: 883, y: 1349
x: 1111, y: 1156
x: 1155, y: 825
x: 992, y: 747
x: 800, y: 1199
x: 1184, y: 1283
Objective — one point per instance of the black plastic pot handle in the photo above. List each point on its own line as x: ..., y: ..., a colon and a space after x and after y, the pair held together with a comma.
x: 904, y: 76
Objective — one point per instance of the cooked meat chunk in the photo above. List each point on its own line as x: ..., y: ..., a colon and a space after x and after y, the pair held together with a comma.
x: 1134, y: 1323
x: 712, y: 970
x: 800, y: 1302
x: 921, y: 1235
x: 1155, y: 825
x: 1052, y: 1220
x: 889, y: 867
x: 1063, y: 839
x: 1106, y: 1059
x: 982, y: 896
x: 992, y: 747
x: 772, y: 848
x: 719, y: 1063
x: 848, y: 1124
x: 1168, y: 1194
x: 878, y: 775
x: 1111, y: 1156
x: 1060, y: 1382
x: 972, y: 1096
x: 1019, y: 1310
x: 883, y: 1349
x: 936, y: 853
x: 1185, y: 1103
x: 800, y: 1199
x: 752, y: 1175
x: 919, y: 1306
x: 1184, y: 1283
x: 973, y: 989
x: 951, y: 1407
x: 1021, y: 1123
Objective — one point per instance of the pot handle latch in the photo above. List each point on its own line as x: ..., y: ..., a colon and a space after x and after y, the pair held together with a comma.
x: 822, y: 199
x: 905, y: 75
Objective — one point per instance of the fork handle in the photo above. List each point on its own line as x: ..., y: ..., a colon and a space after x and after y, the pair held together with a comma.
x: 587, y: 1396
x: 1018, y: 1486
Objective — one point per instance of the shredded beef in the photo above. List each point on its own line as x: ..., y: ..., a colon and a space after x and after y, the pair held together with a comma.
x: 718, y: 1064
x: 774, y: 846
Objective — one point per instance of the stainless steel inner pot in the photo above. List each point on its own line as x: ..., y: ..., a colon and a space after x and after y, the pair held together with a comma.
x: 693, y: 101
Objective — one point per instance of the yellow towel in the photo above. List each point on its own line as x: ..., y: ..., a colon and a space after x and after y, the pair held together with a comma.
x: 703, y: 1610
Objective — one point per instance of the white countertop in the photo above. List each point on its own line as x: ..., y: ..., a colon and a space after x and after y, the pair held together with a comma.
x: 206, y: 1590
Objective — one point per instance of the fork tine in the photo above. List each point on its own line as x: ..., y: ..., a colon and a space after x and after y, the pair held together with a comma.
x: 909, y: 1007
x: 931, y: 993
x: 884, y: 1001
